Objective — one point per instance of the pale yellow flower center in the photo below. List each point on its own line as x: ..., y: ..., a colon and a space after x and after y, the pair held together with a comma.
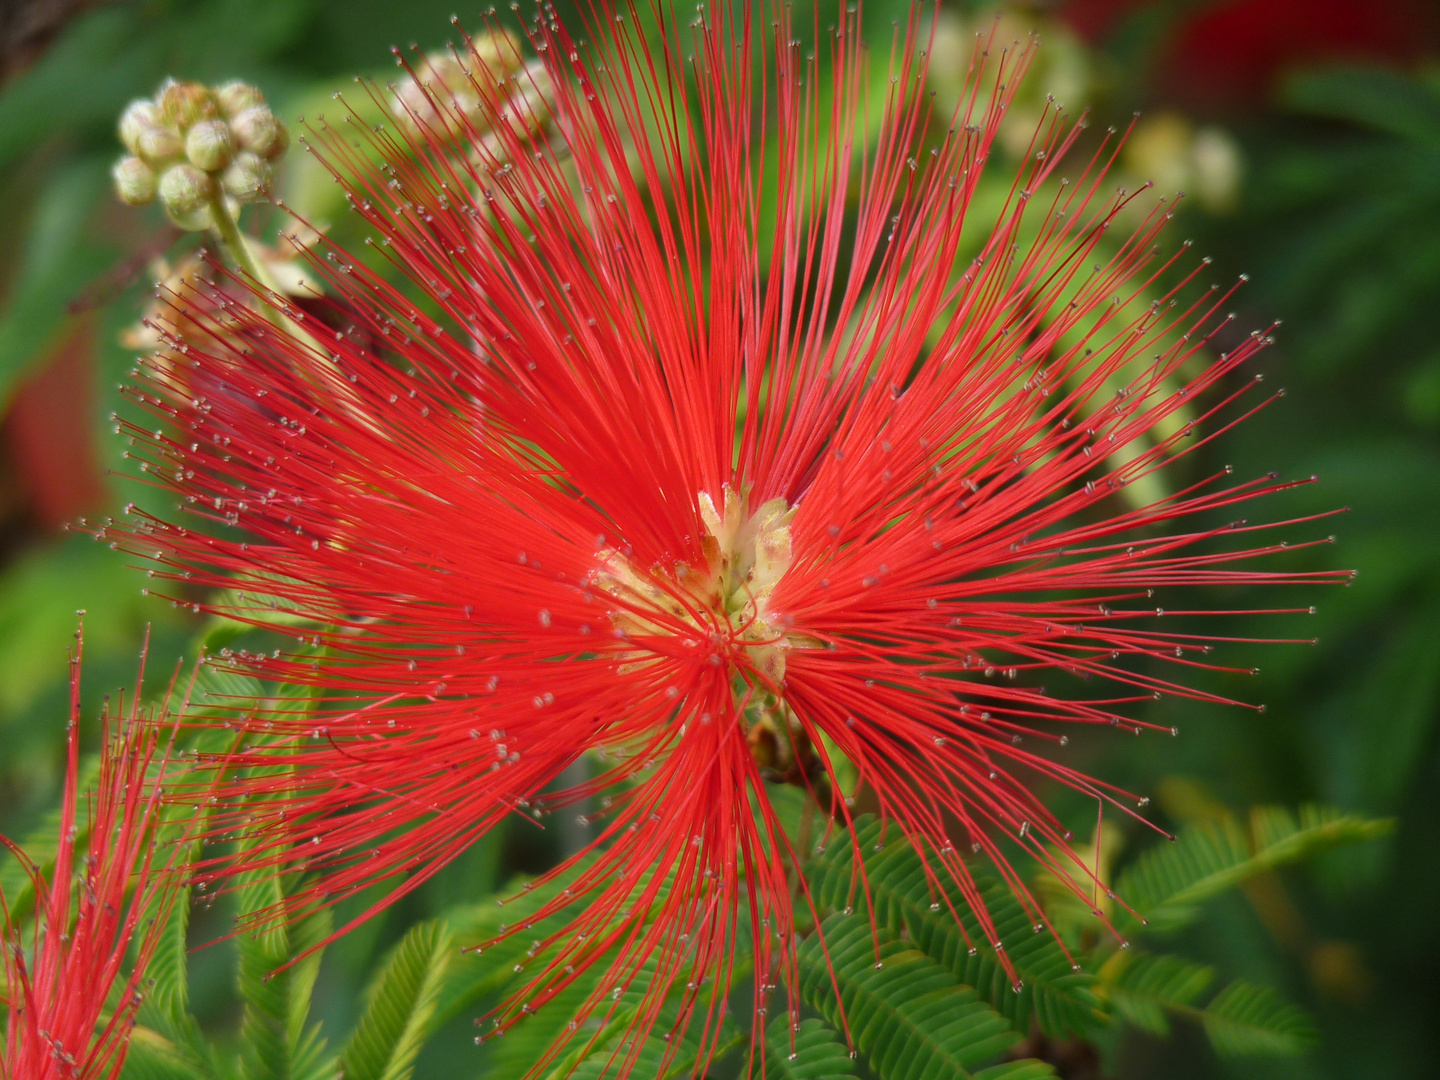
x: 746, y: 554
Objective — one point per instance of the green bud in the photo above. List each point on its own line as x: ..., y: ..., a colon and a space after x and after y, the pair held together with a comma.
x: 248, y: 178
x: 209, y: 146
x: 498, y: 53
x: 185, y: 191
x: 235, y: 97
x: 186, y: 103
x: 257, y: 130
x: 137, y: 117
x: 158, y: 145
x: 134, y: 181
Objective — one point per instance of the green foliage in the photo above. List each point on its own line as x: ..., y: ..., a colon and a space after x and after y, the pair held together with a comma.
x: 904, y: 990
x: 278, y: 964
x: 906, y: 901
x: 817, y: 1053
x: 1167, y: 883
x: 474, y: 976
x: 1141, y: 987
x: 1248, y: 1021
x: 169, y: 1041
x: 1373, y: 98
x: 910, y: 1017
x: 41, y: 847
x: 154, y: 1057
x: 1241, y: 1021
x: 61, y: 258
x: 401, y: 1001
x: 656, y: 1056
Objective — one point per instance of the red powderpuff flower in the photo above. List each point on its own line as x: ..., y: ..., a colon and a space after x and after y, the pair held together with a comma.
x: 693, y: 446
x: 71, y: 1003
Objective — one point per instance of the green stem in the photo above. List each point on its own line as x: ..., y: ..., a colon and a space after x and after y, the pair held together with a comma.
x: 237, y: 249
x: 232, y: 242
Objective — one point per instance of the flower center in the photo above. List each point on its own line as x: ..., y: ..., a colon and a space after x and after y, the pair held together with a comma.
x: 746, y: 554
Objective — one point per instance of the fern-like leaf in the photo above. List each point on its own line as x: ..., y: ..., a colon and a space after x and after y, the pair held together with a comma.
x: 818, y: 1053
x: 1168, y: 882
x: 399, y: 1006
x: 278, y: 1044
x: 655, y: 1058
x: 41, y: 845
x: 151, y: 1056
x: 177, y: 1042
x: 1254, y: 1021
x: 474, y: 975
x: 1056, y: 996
x: 1142, y: 987
x: 910, y: 1017
x: 167, y: 987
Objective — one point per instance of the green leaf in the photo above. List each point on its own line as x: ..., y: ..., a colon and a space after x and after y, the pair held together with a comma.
x: 611, y: 1024
x: 151, y: 1056
x: 60, y: 259
x: 1166, y: 884
x: 178, y: 1047
x: 819, y: 1053
x: 1142, y: 987
x: 605, y: 1040
x: 473, y: 976
x: 1385, y: 101
x: 39, y: 593
x: 650, y: 1061
x: 167, y: 989
x: 908, y: 1015
x: 42, y: 845
x: 1024, y: 1069
x: 399, y: 1006
x: 534, y: 1035
x: 1253, y: 1021
x: 277, y: 1043
x: 1056, y: 996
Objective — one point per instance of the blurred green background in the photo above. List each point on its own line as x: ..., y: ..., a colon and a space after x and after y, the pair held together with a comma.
x: 1307, y: 135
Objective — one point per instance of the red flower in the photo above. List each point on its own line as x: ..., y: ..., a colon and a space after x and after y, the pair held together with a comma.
x: 699, y: 451
x: 71, y: 1003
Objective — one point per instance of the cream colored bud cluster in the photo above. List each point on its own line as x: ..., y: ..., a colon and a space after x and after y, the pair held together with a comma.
x: 446, y: 97
x: 191, y: 143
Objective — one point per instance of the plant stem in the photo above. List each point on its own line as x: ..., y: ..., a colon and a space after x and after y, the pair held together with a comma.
x: 234, y: 246
x: 232, y: 242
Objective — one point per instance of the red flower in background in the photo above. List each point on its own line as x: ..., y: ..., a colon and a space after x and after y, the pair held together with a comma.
x: 702, y: 452
x: 1232, y: 52
x: 48, y: 432
x: 70, y: 997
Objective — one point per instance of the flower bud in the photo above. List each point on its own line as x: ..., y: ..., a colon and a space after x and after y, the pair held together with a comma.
x: 134, y: 181
x: 137, y: 117
x: 257, y: 130
x: 248, y: 178
x: 209, y: 146
x: 498, y: 52
x: 1217, y: 165
x: 158, y: 145
x: 447, y: 95
x: 530, y: 100
x: 185, y: 191
x: 236, y: 96
x: 186, y: 103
